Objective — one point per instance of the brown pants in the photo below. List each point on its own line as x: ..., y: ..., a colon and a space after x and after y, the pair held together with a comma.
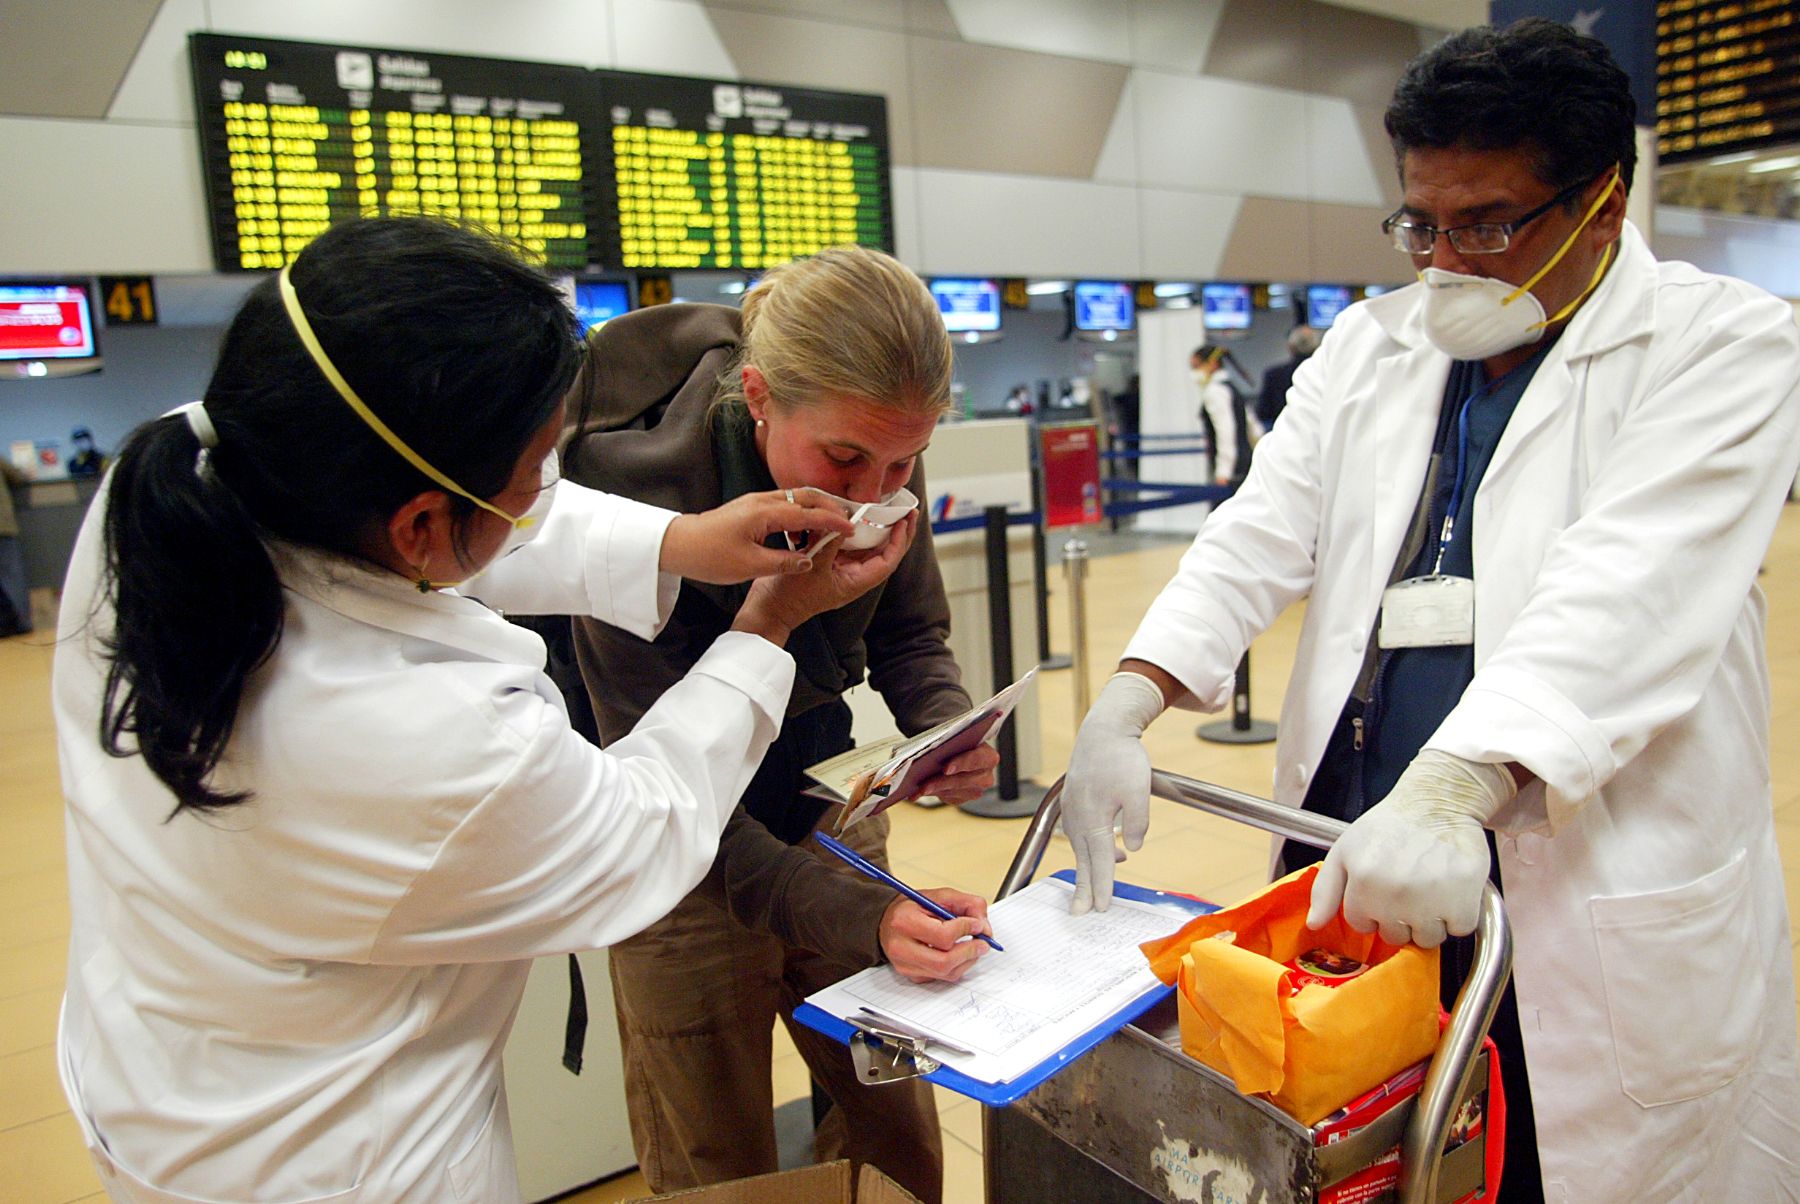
x: 698, y: 996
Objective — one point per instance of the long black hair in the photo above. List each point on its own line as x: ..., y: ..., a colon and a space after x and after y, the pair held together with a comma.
x: 458, y: 345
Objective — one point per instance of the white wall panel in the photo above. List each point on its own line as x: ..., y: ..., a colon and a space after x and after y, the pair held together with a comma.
x: 1338, y: 163
x: 556, y: 31
x: 101, y: 197
x: 1173, y: 34
x: 1088, y: 29
x: 907, y: 245
x: 674, y: 37
x: 1218, y: 135
x: 1025, y: 225
x: 1183, y: 233
x: 158, y: 86
x: 1763, y: 251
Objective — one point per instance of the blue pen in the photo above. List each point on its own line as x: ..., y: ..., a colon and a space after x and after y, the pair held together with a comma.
x: 863, y: 865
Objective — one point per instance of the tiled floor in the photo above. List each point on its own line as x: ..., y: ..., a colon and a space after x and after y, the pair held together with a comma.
x: 41, y: 1159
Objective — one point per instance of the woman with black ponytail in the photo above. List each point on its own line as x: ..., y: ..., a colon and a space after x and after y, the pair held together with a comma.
x: 322, y: 802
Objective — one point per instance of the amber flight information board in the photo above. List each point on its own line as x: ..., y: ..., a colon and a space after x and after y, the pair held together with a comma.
x: 587, y: 169
x: 1727, y: 77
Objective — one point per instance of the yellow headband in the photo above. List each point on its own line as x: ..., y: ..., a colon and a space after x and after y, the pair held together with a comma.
x: 291, y: 300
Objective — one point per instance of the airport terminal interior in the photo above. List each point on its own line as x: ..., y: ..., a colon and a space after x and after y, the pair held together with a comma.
x: 1091, y: 188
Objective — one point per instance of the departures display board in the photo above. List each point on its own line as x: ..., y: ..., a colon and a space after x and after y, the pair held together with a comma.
x: 1727, y: 76
x: 708, y: 174
x: 585, y: 168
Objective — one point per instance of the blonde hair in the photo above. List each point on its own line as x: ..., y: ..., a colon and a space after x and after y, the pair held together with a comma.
x: 847, y: 322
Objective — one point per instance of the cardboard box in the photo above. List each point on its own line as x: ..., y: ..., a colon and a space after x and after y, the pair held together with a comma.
x: 826, y: 1183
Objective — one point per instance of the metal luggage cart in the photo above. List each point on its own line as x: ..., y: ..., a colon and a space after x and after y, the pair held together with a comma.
x: 1138, y: 1120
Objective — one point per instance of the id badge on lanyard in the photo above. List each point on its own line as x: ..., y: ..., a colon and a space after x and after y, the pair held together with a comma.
x: 1436, y: 611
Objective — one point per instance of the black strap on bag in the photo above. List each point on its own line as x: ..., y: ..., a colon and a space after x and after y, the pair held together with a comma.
x: 575, y: 1028
x: 559, y: 646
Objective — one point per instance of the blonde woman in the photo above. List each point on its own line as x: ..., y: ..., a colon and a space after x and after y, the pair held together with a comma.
x: 834, y: 375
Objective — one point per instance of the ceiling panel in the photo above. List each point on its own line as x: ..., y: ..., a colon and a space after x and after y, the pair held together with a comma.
x: 65, y: 58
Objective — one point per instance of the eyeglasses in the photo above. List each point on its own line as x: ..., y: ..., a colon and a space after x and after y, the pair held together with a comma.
x: 1477, y: 238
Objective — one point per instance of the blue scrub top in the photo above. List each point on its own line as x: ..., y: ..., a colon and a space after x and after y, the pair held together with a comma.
x: 1415, y: 688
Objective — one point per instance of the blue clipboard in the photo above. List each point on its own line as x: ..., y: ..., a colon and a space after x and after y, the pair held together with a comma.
x: 996, y: 1095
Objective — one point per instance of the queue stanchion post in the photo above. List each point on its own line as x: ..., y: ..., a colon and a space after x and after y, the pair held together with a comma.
x: 1240, y: 728
x: 1075, y: 564
x: 1010, y: 798
x: 1047, y: 660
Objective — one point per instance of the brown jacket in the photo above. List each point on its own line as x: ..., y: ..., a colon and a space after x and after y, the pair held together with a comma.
x: 641, y: 426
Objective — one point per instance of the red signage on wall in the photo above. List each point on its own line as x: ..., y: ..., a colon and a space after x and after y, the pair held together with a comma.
x: 1070, y: 453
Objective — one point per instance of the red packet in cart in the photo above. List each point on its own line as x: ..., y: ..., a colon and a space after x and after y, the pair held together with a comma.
x: 1474, y: 1149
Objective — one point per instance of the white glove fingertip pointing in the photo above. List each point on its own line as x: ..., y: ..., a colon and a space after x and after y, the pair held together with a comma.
x: 1327, y: 895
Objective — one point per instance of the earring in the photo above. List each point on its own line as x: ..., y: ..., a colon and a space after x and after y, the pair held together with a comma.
x: 760, y: 422
x: 424, y: 582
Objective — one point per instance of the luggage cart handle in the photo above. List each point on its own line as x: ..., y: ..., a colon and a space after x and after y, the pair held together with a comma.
x: 1454, y: 1059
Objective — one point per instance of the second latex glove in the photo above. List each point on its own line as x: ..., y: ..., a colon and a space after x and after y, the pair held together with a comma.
x: 1108, y: 781
x: 1414, y: 865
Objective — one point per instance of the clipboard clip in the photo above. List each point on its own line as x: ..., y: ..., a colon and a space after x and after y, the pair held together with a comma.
x: 887, y: 1051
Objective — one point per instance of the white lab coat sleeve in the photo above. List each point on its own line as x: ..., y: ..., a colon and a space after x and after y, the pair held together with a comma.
x: 597, y: 555
x: 1629, y: 614
x: 579, y: 847
x: 1255, y: 555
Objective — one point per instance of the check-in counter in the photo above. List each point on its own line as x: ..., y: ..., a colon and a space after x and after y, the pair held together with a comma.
x: 50, y: 514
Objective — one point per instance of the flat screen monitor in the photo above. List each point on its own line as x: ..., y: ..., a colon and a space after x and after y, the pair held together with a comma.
x: 1105, y: 305
x: 47, y: 327
x: 598, y: 302
x: 1324, y: 302
x: 968, y: 305
x: 1225, y: 306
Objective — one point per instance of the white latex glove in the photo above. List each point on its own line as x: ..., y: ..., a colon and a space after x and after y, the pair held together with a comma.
x: 1108, y: 780
x: 1414, y: 865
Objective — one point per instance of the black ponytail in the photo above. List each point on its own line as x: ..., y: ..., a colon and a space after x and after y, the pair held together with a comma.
x: 460, y: 347
x: 198, y: 609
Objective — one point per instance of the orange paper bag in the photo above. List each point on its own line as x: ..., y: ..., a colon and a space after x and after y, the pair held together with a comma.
x: 1309, y: 1047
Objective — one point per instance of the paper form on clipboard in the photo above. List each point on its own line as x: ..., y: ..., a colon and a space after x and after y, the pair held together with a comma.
x: 1060, y: 977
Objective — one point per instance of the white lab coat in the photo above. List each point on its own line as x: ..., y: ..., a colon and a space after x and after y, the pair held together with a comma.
x: 1619, y: 657
x: 306, y: 996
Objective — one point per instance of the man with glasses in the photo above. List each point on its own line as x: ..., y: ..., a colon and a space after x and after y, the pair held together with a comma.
x: 1525, y: 500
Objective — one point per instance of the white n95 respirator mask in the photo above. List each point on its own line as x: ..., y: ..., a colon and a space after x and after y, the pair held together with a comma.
x: 1475, y: 317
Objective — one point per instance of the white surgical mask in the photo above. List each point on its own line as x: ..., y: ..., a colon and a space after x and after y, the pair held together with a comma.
x: 523, y: 532
x: 1475, y: 317
x: 1201, y: 376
